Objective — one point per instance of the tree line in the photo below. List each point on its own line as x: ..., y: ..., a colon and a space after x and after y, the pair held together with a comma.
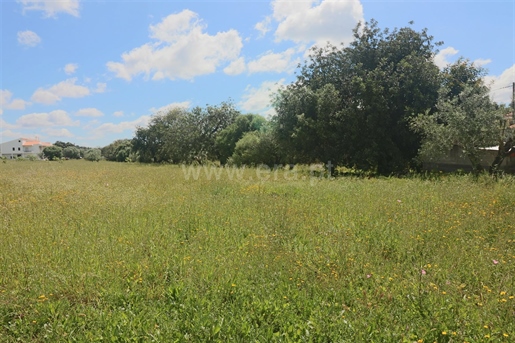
x: 379, y: 104
x: 67, y: 150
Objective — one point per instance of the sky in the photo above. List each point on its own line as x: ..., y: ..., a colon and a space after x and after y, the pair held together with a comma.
x: 90, y: 72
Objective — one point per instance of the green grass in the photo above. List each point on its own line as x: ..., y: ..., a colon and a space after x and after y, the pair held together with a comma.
x: 111, y: 252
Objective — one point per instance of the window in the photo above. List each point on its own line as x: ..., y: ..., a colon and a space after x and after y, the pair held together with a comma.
x: 14, y: 149
x: 19, y: 149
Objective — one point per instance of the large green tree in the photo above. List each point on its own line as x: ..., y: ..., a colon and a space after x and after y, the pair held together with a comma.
x: 183, y: 136
x: 465, y: 118
x: 118, y: 151
x: 228, y: 137
x: 352, y: 105
x: 256, y: 148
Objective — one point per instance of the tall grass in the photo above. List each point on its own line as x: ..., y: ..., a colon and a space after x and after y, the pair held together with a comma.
x: 136, y: 253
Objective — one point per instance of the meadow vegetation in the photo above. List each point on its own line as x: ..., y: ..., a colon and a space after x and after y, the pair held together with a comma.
x: 112, y: 252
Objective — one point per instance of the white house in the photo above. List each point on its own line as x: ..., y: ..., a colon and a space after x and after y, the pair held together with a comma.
x: 22, y: 147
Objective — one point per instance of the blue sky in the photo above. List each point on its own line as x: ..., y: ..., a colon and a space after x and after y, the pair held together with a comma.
x: 89, y: 72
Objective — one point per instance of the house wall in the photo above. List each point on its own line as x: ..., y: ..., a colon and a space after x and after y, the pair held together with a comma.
x: 12, y: 149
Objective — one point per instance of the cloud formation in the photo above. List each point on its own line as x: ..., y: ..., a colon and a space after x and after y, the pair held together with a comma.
x: 181, y: 50
x: 54, y: 118
x: 51, y: 8
x: 70, y: 68
x: 501, y: 86
x: 28, y: 38
x: 64, y: 89
x: 6, y: 125
x: 441, y: 58
x: 264, y: 26
x: 6, y: 101
x: 236, y: 67
x: 314, y: 20
x: 63, y: 133
x: 89, y: 112
x: 166, y: 108
x: 274, y: 62
x: 108, y: 128
x: 258, y: 100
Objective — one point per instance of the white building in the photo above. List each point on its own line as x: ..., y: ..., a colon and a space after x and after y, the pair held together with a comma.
x: 22, y: 147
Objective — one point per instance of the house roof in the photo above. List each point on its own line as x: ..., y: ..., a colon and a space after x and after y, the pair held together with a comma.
x: 27, y: 142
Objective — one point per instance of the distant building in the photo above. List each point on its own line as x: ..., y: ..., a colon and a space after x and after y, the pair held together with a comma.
x: 22, y: 147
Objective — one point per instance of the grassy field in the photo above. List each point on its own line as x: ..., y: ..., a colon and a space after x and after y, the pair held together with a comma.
x: 107, y: 252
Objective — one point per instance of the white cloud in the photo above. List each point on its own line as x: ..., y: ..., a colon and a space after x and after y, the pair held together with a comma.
x: 118, y: 114
x: 166, y: 108
x: 274, y: 62
x: 59, y: 133
x: 264, y: 26
x: 7, y: 103
x: 17, y: 104
x: 70, y: 68
x: 101, y: 87
x: 258, y: 100
x: 6, y: 125
x: 236, y: 67
x: 54, y: 118
x: 51, y: 7
x: 481, y: 62
x: 64, y: 89
x: 501, y: 86
x: 28, y: 38
x: 10, y: 134
x: 107, y: 128
x: 316, y: 21
x: 441, y: 58
x: 181, y: 51
x: 89, y: 112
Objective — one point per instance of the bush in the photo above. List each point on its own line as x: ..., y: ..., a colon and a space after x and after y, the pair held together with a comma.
x: 53, y: 152
x: 93, y: 155
x: 71, y: 152
x: 256, y: 148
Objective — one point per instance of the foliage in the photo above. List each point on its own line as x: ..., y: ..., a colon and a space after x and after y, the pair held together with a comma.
x: 93, y: 155
x: 256, y: 148
x: 69, y: 144
x: 468, y: 120
x: 104, y: 256
x: 352, y: 105
x: 183, y: 136
x: 71, y: 152
x: 118, y: 151
x: 226, y: 141
x: 53, y: 152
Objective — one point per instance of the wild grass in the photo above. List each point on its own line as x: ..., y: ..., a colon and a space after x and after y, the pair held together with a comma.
x: 112, y: 252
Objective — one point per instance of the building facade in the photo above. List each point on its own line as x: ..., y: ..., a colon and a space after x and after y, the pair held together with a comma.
x: 22, y: 147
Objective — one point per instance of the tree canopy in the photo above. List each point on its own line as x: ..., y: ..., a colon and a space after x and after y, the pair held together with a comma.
x: 53, y: 152
x: 183, y: 136
x: 352, y: 105
x: 465, y: 117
